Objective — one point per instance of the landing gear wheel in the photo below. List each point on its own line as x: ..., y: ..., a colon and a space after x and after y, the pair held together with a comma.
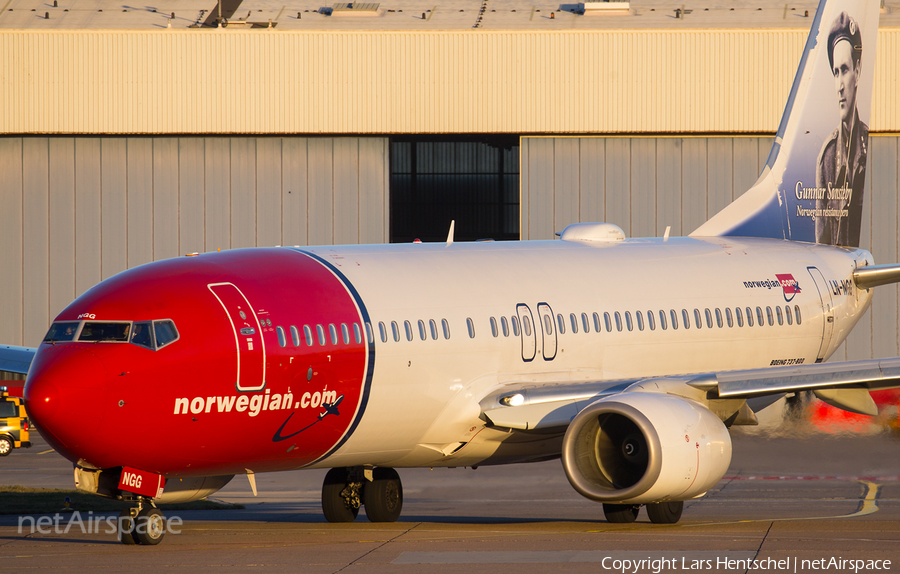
x: 621, y: 513
x: 126, y: 527
x: 150, y: 526
x: 665, y: 512
x: 336, y: 505
x: 384, y: 496
x: 6, y: 446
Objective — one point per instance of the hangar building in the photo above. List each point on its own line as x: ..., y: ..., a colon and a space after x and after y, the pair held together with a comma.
x: 130, y: 134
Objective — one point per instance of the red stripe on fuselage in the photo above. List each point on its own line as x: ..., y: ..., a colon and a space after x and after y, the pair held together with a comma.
x: 177, y: 411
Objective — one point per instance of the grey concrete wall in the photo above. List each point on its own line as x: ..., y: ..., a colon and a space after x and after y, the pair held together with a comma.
x: 76, y: 210
x: 644, y: 184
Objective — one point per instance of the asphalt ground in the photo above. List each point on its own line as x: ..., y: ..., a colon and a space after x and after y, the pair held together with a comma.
x: 788, y: 497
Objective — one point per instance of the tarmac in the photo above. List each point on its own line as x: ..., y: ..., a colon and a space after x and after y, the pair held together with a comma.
x: 794, y: 500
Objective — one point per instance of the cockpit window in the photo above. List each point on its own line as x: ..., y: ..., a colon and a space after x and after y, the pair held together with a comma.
x: 165, y: 333
x: 142, y: 334
x: 154, y: 334
x: 105, y: 332
x: 63, y: 331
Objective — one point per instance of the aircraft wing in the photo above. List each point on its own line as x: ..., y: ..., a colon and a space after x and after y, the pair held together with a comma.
x: 845, y: 385
x: 16, y: 359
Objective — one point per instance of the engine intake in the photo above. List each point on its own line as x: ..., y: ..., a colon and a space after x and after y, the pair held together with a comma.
x: 645, y: 447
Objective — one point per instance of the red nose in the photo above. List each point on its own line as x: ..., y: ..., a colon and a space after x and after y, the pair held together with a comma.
x: 65, y: 385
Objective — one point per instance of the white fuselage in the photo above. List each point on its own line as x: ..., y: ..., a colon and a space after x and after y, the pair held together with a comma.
x: 423, y: 408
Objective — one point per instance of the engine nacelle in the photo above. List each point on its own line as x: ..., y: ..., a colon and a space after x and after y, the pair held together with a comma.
x: 637, y: 448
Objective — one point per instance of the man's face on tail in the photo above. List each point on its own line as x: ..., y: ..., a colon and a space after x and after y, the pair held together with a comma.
x: 846, y: 76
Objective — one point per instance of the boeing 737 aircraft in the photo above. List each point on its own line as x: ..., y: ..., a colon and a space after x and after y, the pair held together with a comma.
x: 628, y: 359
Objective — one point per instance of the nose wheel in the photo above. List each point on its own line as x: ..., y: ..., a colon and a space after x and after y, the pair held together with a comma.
x: 345, y: 490
x: 142, y: 525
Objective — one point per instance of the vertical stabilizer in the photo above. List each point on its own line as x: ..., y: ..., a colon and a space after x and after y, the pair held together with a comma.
x: 812, y: 186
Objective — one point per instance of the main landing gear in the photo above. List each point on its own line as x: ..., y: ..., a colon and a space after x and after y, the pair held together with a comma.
x: 659, y: 512
x: 142, y: 525
x: 346, y: 489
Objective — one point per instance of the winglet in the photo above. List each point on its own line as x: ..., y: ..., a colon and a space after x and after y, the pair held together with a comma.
x: 450, y: 235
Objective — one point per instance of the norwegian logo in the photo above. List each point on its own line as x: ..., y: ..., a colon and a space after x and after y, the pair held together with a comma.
x: 789, y: 285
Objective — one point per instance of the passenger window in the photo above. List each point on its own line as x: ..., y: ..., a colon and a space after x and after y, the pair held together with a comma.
x: 640, y: 320
x: 708, y: 318
x: 697, y: 319
x: 548, y: 324
x: 504, y: 325
x: 446, y: 325
x: 608, y: 323
x: 574, y: 321
x: 628, y: 323
x: 526, y: 325
x: 769, y: 316
x: 357, y: 333
x: 779, y: 316
x: 282, y: 340
x: 494, y: 331
x: 423, y: 334
x: 597, y: 327
x: 618, y: 321
x: 408, y: 328
x: 686, y: 318
x: 321, y: 332
x: 719, y: 317
x: 395, y: 330
x: 471, y: 326
x: 295, y: 336
x: 434, y: 331
x: 787, y: 313
x: 797, y: 313
x: 345, y: 333
x: 562, y: 324
x: 141, y: 334
x: 662, y: 320
x: 749, y: 317
x: 651, y: 322
x: 307, y: 334
x: 332, y: 330
x: 674, y: 317
x: 585, y: 323
x: 759, y: 317
x: 515, y: 326
x: 728, y: 317
x: 740, y: 316
x: 382, y: 329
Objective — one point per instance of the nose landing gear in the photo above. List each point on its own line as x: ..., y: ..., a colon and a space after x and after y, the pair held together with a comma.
x: 142, y: 525
x: 346, y: 489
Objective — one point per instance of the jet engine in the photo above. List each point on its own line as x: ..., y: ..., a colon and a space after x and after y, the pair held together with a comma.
x: 636, y: 448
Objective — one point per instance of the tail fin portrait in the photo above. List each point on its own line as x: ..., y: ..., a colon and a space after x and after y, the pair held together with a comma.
x: 811, y: 188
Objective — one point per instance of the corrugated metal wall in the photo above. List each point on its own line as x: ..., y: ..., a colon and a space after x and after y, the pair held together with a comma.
x: 356, y: 82
x: 74, y: 211
x: 644, y: 185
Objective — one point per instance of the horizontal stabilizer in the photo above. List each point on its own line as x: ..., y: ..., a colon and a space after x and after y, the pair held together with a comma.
x: 868, y: 277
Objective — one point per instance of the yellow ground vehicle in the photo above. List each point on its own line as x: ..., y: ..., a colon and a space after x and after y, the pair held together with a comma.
x: 13, y: 423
